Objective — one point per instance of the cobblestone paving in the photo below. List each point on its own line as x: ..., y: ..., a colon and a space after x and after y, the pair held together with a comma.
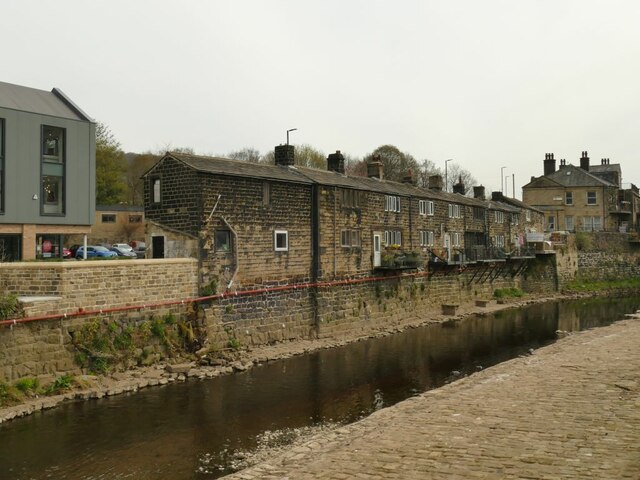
x: 568, y: 411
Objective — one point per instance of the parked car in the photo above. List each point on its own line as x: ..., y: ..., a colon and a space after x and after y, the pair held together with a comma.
x: 122, y: 252
x: 95, y: 251
x: 123, y: 246
x: 66, y: 253
x: 73, y: 249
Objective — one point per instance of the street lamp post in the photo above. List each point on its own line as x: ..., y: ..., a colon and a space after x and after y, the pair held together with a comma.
x: 446, y: 175
x: 502, y: 179
x: 290, y: 130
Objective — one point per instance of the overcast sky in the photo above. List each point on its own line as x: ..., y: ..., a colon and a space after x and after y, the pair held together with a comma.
x: 488, y: 83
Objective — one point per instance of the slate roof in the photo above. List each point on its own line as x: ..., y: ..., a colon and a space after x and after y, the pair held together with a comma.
x: 309, y: 176
x: 238, y: 168
x: 54, y: 103
x: 571, y: 176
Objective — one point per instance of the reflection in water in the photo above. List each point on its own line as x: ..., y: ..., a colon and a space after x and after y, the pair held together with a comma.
x: 182, y: 431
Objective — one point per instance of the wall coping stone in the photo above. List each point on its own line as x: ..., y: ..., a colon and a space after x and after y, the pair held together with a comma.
x: 93, y: 263
x: 40, y: 298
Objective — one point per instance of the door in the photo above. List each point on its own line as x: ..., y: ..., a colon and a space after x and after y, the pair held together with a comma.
x: 157, y: 247
x: 377, y: 248
x: 447, y: 246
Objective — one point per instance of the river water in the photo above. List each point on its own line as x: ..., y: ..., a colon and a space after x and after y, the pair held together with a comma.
x: 205, y: 429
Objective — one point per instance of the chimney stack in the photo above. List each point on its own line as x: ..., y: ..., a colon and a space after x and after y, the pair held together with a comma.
x: 435, y: 183
x: 563, y: 163
x: 478, y: 192
x: 459, y: 187
x: 584, y: 161
x: 408, y: 178
x: 335, y: 162
x: 497, y: 196
x: 285, y: 155
x: 549, y: 164
x: 375, y: 168
x: 605, y: 161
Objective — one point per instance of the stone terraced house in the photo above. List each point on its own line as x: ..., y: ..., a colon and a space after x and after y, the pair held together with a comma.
x: 254, y: 224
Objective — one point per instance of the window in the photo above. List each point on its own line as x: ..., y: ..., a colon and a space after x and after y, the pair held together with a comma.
x: 568, y: 198
x: 515, y: 220
x: 266, y: 194
x: 391, y: 203
x: 426, y: 238
x: 498, y: 241
x: 478, y: 213
x: 591, y: 198
x: 52, y: 167
x: 591, y: 224
x: 499, y: 217
x: 223, y: 241
x: 455, y: 239
x: 1, y: 165
x: 454, y: 211
x: 155, y: 190
x: 551, y: 223
x: 392, y: 237
x: 108, y: 218
x: 568, y: 223
x: 281, y: 240
x: 350, y: 238
x: 350, y: 198
x: 528, y: 215
x: 135, y: 218
x: 426, y: 207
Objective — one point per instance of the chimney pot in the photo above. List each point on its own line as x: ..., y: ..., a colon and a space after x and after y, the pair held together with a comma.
x: 584, y: 161
x: 478, y: 191
x: 375, y: 168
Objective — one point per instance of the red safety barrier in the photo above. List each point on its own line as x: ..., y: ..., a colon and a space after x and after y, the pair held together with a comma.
x: 82, y: 312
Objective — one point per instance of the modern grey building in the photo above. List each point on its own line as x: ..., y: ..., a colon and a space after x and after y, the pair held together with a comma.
x: 47, y: 172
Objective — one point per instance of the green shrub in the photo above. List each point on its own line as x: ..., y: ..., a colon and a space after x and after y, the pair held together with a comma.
x: 512, y: 292
x: 61, y: 384
x: 9, y: 306
x: 28, y: 385
x: 584, y: 241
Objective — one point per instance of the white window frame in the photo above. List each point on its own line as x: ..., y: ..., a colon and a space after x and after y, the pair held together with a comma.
x: 426, y: 238
x: 498, y: 241
x: 499, y: 216
x: 422, y: 207
x: 275, y: 240
x: 454, y: 210
x: 156, y: 190
x: 455, y: 239
x: 392, y: 237
x: 392, y: 203
x: 528, y: 215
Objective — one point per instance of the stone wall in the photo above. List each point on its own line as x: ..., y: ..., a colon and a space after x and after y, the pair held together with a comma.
x: 607, y: 256
x: 330, y: 311
x: 92, y: 285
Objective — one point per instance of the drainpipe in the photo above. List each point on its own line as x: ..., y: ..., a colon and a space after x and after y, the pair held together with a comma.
x: 335, y: 213
x: 315, y: 231
x: 235, y: 251
x: 410, y: 223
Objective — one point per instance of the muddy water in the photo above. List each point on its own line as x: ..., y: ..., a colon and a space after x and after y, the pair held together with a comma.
x: 204, y: 429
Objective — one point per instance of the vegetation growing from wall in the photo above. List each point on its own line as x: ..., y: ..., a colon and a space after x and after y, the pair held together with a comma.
x: 103, y: 346
x: 583, y: 241
x: 9, y: 306
x: 581, y: 285
x: 508, y: 293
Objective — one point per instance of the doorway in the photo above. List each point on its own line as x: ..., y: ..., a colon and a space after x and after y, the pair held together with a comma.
x: 157, y: 247
x: 377, y: 249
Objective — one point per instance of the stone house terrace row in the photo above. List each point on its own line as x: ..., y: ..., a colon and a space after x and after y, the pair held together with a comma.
x: 251, y: 224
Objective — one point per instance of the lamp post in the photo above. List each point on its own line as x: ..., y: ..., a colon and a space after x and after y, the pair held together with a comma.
x: 446, y: 175
x: 502, y: 179
x: 290, y: 130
